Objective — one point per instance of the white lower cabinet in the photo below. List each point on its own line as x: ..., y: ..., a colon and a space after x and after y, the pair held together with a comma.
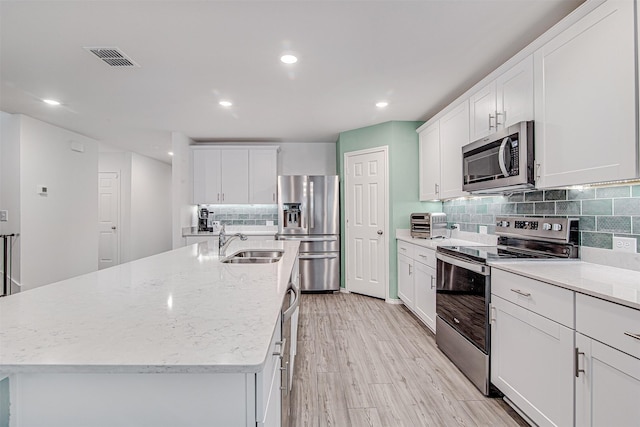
x: 608, y: 364
x: 532, y: 362
x: 562, y: 357
x: 425, y: 294
x: 417, y: 280
x: 607, y: 386
x: 406, y: 286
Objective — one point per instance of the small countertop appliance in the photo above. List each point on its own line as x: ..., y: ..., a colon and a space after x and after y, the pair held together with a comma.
x: 428, y: 225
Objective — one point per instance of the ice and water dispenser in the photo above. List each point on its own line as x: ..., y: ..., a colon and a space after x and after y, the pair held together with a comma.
x: 292, y: 214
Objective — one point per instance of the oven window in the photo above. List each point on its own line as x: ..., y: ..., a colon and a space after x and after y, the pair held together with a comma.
x: 461, y: 301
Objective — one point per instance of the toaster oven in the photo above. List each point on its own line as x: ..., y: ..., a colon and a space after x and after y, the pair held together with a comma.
x: 428, y: 225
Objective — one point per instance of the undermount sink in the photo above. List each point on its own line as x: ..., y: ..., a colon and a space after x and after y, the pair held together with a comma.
x: 254, y: 257
x: 259, y: 254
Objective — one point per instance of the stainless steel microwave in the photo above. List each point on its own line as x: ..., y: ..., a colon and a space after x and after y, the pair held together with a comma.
x: 499, y: 162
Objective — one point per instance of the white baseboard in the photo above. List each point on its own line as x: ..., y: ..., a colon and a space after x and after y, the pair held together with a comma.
x: 344, y: 291
x: 393, y: 301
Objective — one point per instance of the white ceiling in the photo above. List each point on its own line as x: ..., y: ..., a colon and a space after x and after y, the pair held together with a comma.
x: 417, y: 55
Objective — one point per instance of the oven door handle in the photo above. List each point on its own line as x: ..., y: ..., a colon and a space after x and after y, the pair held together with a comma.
x: 476, y: 268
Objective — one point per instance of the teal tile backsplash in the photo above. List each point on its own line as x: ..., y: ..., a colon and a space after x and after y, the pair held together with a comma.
x: 244, y: 214
x: 604, y: 212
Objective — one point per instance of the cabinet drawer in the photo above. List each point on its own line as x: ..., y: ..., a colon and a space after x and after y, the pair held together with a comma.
x: 425, y: 256
x: 406, y: 249
x: 547, y: 300
x: 609, y: 323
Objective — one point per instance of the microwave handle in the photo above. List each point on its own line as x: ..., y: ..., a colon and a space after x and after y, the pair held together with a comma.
x: 503, y: 165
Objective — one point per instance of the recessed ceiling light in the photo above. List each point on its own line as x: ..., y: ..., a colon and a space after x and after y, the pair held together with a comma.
x: 288, y: 59
x: 381, y: 104
x: 225, y: 103
x: 51, y: 101
x: 170, y: 153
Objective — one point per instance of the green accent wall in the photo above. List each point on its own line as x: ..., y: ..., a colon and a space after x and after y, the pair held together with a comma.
x: 402, y: 140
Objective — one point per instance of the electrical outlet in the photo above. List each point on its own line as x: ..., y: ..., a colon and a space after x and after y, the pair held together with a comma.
x: 4, y: 215
x: 624, y: 244
x: 482, y: 229
x: 216, y: 223
x: 455, y: 226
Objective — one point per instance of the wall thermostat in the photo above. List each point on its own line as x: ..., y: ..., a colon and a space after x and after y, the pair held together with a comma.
x: 42, y: 190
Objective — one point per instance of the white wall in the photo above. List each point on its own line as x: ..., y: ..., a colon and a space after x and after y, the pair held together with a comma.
x: 150, y: 206
x: 10, y: 187
x: 59, y: 236
x: 307, y: 158
x: 183, y: 212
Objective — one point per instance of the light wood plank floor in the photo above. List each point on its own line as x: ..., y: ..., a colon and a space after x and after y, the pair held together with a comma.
x: 363, y: 362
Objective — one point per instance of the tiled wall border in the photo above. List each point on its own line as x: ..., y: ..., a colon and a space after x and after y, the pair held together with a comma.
x: 604, y: 212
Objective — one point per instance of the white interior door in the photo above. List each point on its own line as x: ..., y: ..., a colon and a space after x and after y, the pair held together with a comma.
x: 366, y: 222
x: 109, y: 219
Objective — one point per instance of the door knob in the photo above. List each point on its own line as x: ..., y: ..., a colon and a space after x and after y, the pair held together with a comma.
x: 379, y: 232
x: 113, y: 227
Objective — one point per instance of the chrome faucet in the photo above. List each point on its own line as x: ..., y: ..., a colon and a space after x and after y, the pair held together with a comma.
x: 224, y: 240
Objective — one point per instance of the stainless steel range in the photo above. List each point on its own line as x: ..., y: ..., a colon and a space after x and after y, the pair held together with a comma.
x: 464, y: 286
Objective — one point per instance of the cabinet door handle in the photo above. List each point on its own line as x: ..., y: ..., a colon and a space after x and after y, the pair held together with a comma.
x: 492, y: 314
x: 218, y: 196
x: 223, y: 197
x: 437, y: 189
x: 433, y: 279
x: 519, y: 292
x: 403, y: 249
x: 636, y: 336
x: 538, y: 166
x: 576, y: 362
x: 409, y: 269
x: 422, y: 255
x: 504, y: 114
x: 491, y: 117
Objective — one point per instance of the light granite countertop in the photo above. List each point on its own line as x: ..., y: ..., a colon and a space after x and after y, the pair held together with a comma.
x: 179, y: 311
x: 249, y: 230
x: 613, y: 284
x: 405, y: 236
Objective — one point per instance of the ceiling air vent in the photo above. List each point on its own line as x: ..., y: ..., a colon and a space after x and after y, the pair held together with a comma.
x: 112, y: 56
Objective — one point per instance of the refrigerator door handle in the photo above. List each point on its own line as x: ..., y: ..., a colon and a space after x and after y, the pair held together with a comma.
x: 320, y: 256
x: 311, y: 205
x: 309, y: 239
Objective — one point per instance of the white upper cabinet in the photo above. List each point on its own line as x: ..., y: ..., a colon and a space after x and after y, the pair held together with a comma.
x: 207, y: 183
x: 514, y: 94
x: 585, y: 100
x: 482, y: 106
x: 441, y: 155
x: 224, y: 176
x: 263, y: 175
x: 454, y: 134
x: 430, y: 162
x: 503, y: 102
x: 234, y: 168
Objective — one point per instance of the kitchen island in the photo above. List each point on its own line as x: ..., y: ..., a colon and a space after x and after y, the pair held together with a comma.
x: 178, y: 338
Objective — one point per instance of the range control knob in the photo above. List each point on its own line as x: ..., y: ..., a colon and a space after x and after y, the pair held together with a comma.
x: 546, y: 226
x: 503, y: 223
x: 556, y: 227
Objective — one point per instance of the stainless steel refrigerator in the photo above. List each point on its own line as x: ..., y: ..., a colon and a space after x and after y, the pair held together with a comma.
x: 309, y: 211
